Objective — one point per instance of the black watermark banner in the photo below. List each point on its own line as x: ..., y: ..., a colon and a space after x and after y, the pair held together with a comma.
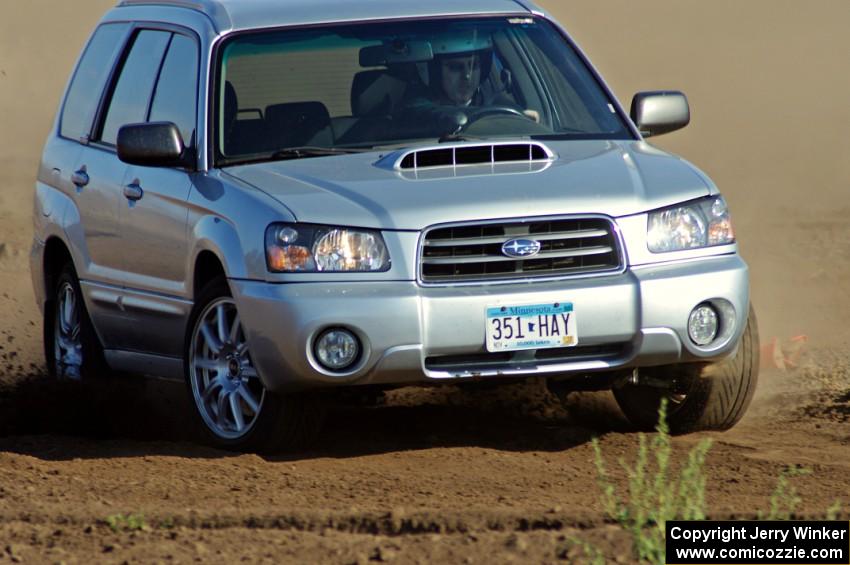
x: 763, y: 542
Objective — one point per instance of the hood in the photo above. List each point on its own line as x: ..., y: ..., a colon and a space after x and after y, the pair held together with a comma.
x: 616, y: 178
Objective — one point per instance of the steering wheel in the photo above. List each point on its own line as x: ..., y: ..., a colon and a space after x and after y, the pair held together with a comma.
x: 485, y: 111
x: 454, y: 121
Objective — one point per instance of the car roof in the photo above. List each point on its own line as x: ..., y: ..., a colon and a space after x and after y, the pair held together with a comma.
x: 235, y: 15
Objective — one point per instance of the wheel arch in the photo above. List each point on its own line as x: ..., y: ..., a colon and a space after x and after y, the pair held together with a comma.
x: 207, y: 266
x: 56, y: 255
x: 216, y: 250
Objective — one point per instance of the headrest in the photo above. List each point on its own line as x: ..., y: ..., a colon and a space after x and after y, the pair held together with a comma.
x: 297, y: 122
x: 231, y: 104
x: 375, y: 93
x: 298, y: 114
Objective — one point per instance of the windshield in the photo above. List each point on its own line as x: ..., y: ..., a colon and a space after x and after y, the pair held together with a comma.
x: 354, y: 87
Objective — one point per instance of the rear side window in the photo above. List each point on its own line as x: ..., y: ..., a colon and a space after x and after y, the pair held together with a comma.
x: 176, y: 94
x: 132, y: 94
x: 89, y: 80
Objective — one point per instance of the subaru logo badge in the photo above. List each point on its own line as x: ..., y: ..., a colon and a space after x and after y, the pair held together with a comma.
x: 521, y: 248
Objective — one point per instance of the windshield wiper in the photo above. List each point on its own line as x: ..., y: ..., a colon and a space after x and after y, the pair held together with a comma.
x: 449, y: 137
x: 289, y: 153
x: 312, y: 151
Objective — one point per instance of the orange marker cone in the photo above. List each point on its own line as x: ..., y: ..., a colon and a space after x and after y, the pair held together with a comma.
x: 784, y: 357
x: 795, y: 349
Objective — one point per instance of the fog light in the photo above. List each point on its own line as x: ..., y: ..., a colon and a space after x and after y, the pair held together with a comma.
x: 337, y: 349
x: 703, y: 324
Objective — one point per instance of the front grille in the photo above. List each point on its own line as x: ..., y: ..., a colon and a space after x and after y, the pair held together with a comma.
x: 525, y: 359
x: 473, y: 252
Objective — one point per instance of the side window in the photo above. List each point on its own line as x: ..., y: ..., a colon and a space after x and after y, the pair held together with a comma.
x: 132, y: 94
x: 89, y: 80
x: 176, y: 94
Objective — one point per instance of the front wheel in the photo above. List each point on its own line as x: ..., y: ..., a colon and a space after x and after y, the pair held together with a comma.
x: 235, y: 409
x: 701, y: 396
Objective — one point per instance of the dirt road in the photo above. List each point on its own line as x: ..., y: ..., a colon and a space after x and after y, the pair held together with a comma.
x: 430, y: 477
x: 108, y: 472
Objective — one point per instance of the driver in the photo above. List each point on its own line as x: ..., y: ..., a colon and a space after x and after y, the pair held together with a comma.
x: 461, y: 63
x: 459, y: 80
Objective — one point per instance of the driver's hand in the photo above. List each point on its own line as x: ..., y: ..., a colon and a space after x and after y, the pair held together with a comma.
x: 532, y: 115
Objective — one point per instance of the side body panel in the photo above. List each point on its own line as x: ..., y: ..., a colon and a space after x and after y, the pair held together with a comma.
x: 153, y: 243
x: 229, y: 218
x: 92, y: 228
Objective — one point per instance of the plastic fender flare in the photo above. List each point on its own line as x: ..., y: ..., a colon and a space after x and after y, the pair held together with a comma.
x: 214, y: 234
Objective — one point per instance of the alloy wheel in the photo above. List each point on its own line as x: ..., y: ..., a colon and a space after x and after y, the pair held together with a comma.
x: 67, y: 341
x: 225, y: 385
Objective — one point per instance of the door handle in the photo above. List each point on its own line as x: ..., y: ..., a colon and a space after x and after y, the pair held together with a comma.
x: 80, y: 178
x: 133, y: 192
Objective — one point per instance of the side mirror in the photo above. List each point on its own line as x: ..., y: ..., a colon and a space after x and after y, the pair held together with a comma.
x: 661, y: 111
x: 154, y: 144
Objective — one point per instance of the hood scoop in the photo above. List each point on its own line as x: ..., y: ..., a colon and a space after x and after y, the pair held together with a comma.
x: 466, y: 154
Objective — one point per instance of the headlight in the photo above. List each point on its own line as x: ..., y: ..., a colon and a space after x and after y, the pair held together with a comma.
x: 702, y: 223
x: 305, y: 248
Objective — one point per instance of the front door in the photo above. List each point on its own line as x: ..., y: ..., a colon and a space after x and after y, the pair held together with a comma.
x: 154, y: 213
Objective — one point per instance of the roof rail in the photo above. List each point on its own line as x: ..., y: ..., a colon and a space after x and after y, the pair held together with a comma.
x: 528, y: 5
x: 213, y: 9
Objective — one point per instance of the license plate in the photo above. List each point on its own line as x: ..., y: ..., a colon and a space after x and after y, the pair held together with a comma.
x: 531, y: 326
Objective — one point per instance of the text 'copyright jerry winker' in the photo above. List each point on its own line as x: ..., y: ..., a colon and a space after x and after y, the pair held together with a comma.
x: 758, y: 542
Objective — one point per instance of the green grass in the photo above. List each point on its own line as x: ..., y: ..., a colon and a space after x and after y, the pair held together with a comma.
x: 784, y: 499
x: 834, y: 511
x: 592, y: 554
x: 657, y: 491
x: 126, y: 523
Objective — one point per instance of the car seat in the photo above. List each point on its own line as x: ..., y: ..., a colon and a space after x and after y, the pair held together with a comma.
x: 376, y: 93
x: 299, y: 123
x: 241, y: 136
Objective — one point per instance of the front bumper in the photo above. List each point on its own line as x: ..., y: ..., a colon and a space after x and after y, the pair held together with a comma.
x: 413, y: 334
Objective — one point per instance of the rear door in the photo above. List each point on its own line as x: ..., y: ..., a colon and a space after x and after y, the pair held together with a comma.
x: 90, y: 177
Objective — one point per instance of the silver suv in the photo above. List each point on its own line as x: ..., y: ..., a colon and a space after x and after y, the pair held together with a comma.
x: 270, y: 200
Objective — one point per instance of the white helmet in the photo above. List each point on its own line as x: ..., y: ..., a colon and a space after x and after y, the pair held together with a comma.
x: 457, y: 42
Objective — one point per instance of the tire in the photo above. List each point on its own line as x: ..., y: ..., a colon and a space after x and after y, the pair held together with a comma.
x: 233, y: 408
x: 706, y: 396
x: 72, y: 349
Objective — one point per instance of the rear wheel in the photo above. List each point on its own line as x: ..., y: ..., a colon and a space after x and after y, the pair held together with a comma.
x: 72, y: 349
x: 235, y: 409
x: 700, y: 396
